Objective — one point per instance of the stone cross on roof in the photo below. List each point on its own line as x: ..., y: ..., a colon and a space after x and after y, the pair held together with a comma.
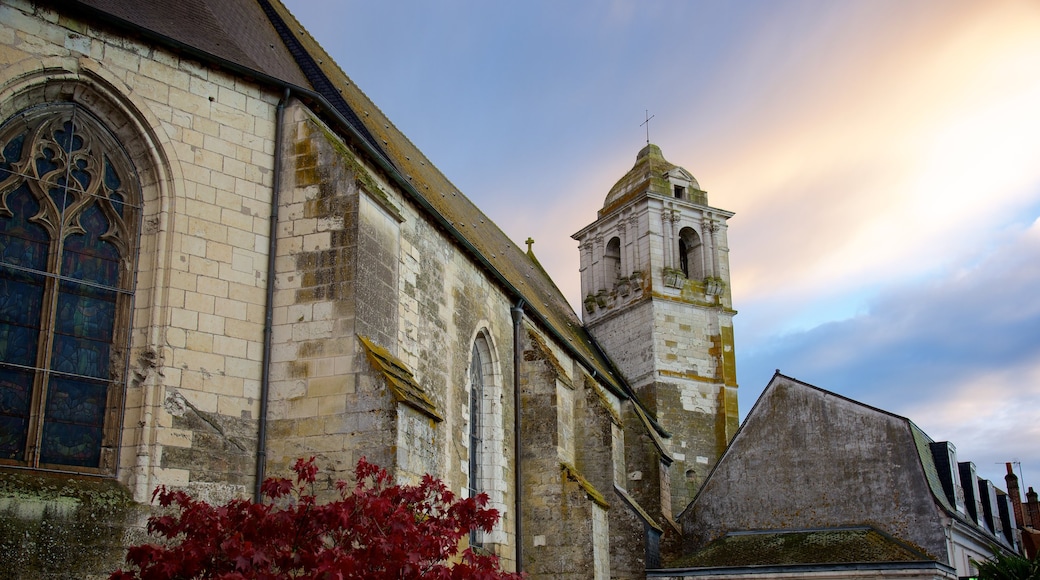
x: 647, y: 123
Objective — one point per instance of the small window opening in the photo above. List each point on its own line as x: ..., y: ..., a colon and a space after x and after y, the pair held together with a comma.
x: 684, y: 258
x: 613, y: 259
x: 679, y: 191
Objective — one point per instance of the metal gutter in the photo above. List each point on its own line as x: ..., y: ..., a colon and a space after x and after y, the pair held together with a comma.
x: 518, y: 356
x: 272, y: 247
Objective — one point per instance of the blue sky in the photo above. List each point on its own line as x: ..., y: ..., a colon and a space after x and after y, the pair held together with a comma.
x: 882, y: 158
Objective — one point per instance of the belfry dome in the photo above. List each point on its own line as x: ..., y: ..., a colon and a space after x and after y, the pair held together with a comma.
x: 652, y: 173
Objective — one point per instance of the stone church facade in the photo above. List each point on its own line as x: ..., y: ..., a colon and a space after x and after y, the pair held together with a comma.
x: 219, y: 256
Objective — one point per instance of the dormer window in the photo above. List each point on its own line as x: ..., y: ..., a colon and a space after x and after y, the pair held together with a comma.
x: 679, y: 191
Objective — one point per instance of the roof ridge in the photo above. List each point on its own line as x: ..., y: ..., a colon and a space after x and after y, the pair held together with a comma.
x: 312, y: 70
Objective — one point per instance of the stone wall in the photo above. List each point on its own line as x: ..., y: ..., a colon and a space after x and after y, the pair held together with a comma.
x: 809, y: 459
x: 202, y: 143
x: 336, y: 268
x: 53, y: 526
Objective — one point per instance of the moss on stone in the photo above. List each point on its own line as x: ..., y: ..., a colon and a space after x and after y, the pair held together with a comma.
x: 64, y: 526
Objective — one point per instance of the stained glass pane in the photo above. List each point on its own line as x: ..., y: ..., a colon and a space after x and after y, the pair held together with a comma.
x: 81, y: 327
x: 87, y: 256
x: 80, y: 175
x: 47, y: 162
x: 87, y: 267
x: 75, y: 414
x: 18, y: 343
x: 80, y: 356
x: 22, y: 242
x: 85, y: 311
x: 117, y: 203
x: 83, y: 330
x: 15, y: 398
x: 60, y: 194
x: 111, y: 177
x: 12, y: 152
x: 67, y: 139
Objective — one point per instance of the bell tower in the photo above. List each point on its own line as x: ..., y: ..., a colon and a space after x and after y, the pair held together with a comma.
x: 656, y: 296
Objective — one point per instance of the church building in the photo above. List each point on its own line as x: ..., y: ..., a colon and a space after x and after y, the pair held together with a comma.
x: 218, y: 256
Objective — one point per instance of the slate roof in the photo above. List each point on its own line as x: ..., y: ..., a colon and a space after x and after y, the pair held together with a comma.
x: 235, y: 31
x: 781, y: 548
x: 260, y: 38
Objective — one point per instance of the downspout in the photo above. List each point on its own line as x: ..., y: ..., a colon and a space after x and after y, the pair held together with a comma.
x: 518, y: 356
x: 272, y: 247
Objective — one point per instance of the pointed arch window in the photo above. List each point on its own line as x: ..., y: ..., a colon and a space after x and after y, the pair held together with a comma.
x: 476, y: 410
x: 68, y: 247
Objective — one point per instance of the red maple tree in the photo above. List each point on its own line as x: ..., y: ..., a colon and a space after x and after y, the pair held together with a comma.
x: 378, y: 531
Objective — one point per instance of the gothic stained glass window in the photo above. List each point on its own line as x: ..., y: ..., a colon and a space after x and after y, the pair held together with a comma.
x: 68, y: 235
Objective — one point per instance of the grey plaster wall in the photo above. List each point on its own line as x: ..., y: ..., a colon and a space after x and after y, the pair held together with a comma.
x: 806, y: 458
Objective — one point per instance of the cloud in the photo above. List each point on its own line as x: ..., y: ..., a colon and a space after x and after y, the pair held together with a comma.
x: 934, y: 135
x: 958, y: 355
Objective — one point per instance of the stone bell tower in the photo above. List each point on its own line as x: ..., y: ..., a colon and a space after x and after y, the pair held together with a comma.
x: 655, y: 281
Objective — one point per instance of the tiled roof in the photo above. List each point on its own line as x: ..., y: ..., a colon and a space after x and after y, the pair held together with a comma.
x: 781, y: 548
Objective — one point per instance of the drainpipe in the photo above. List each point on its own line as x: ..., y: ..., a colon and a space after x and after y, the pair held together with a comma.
x: 518, y: 318
x: 272, y: 247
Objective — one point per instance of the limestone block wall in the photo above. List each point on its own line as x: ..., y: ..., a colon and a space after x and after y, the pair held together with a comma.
x: 336, y: 269
x: 644, y: 468
x: 628, y: 336
x: 679, y: 359
x: 202, y: 143
x: 447, y: 305
x: 357, y: 258
x: 200, y: 421
x: 567, y: 447
x: 599, y: 450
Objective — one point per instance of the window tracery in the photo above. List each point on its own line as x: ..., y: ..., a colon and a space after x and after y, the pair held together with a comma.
x: 68, y: 236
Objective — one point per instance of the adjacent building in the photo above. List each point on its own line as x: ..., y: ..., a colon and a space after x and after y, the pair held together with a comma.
x: 815, y: 485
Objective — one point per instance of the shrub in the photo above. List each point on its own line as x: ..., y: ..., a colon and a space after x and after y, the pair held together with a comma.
x: 376, y: 530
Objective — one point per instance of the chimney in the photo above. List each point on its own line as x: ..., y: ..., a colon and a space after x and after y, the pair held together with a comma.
x: 1032, y: 509
x: 1014, y: 493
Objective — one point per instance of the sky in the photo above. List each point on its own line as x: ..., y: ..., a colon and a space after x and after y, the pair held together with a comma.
x: 882, y: 158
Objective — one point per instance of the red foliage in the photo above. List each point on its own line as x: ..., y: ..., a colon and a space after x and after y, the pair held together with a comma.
x: 377, y: 530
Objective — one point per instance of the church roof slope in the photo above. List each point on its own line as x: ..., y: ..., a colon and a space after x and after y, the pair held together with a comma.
x: 462, y: 219
x: 235, y: 31
x: 262, y: 38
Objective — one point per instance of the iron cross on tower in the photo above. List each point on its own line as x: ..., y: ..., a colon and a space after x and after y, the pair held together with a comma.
x: 647, y: 123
